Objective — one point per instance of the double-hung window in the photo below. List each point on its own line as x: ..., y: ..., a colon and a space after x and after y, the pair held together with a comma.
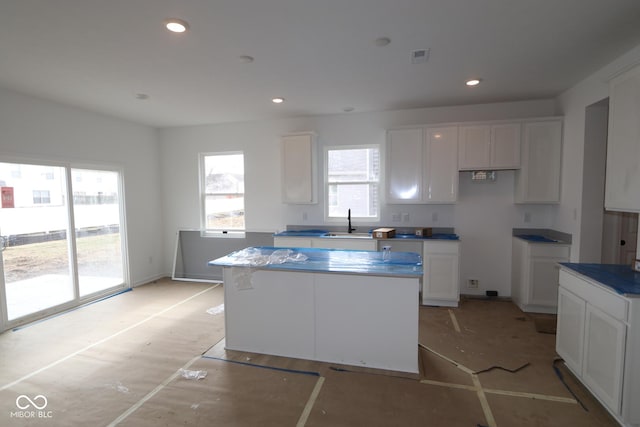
x: 222, y: 191
x: 353, y: 182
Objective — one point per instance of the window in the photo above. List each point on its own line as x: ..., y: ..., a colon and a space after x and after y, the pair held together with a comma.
x: 41, y: 197
x: 222, y: 188
x: 353, y: 177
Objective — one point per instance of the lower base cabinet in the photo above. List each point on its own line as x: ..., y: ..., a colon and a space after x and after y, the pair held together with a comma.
x: 598, y: 338
x: 441, y: 280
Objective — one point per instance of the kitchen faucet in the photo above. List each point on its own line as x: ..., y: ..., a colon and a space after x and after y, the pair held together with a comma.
x: 349, y: 229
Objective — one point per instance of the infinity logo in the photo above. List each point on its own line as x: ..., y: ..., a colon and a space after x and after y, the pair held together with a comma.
x: 20, y: 402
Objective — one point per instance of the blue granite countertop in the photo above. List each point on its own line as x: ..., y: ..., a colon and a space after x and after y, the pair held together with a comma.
x: 621, y: 278
x: 317, y: 260
x: 324, y: 233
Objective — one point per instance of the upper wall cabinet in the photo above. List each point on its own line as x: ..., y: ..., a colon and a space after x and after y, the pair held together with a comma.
x: 489, y: 146
x: 299, y: 173
x: 622, y: 191
x: 538, y: 180
x: 422, y: 165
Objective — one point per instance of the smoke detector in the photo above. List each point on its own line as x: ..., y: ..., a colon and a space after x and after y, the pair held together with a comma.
x: 420, y: 56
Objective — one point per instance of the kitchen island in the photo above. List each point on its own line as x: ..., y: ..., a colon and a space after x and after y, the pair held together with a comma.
x: 341, y: 306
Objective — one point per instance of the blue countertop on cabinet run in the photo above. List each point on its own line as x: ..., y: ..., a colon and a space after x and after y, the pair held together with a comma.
x: 323, y: 233
x: 621, y: 278
x: 317, y: 260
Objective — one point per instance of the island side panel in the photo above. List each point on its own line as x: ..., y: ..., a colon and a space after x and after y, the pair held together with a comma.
x: 367, y: 321
x: 274, y: 315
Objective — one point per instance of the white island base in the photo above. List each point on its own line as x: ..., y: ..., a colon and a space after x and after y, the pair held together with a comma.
x: 361, y: 320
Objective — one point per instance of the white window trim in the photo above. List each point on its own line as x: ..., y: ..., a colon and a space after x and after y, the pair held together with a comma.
x: 354, y: 219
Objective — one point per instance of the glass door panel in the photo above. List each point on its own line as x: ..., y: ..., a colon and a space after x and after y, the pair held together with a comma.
x: 35, y: 248
x: 96, y: 210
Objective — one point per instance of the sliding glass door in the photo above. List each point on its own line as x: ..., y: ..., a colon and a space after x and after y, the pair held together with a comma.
x: 34, y: 224
x: 60, y: 233
x: 96, y: 208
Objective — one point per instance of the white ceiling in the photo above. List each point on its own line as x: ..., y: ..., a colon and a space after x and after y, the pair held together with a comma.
x: 318, y: 54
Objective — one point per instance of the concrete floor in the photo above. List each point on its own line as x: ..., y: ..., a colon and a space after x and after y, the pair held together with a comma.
x: 121, y: 362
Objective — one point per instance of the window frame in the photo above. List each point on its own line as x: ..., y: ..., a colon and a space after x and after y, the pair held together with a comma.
x: 218, y: 232
x: 361, y: 219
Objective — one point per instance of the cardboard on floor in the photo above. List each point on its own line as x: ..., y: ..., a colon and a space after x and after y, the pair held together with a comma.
x: 119, y: 361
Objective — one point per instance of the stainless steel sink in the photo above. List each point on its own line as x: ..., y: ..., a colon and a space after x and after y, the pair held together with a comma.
x: 349, y: 235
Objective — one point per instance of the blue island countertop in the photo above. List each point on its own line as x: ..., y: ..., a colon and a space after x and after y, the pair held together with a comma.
x: 317, y: 260
x: 621, y: 278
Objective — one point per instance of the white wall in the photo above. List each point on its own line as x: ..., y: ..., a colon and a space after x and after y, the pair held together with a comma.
x: 483, y: 216
x: 573, y: 104
x: 37, y: 129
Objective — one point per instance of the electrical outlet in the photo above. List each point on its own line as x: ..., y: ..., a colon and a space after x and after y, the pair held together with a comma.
x: 527, y: 217
x: 405, y: 217
x: 434, y: 217
x: 305, y: 216
x: 395, y: 217
x: 472, y: 284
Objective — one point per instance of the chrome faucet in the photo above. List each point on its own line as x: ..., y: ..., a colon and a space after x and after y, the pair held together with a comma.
x: 350, y: 229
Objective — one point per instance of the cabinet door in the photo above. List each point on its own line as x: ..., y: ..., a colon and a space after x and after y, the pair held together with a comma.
x: 440, y: 165
x: 441, y: 273
x: 298, y: 169
x: 623, y: 145
x: 538, y: 180
x: 292, y: 242
x: 570, y: 329
x: 604, y: 346
x: 404, y: 165
x: 505, y: 146
x: 543, y: 282
x: 346, y: 243
x: 474, y: 147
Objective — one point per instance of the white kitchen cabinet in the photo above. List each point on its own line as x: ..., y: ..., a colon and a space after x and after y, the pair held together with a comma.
x: 440, y: 174
x: 299, y: 168
x: 422, y: 165
x: 599, y: 339
x: 622, y: 190
x: 489, y: 146
x: 292, y: 242
x: 538, y: 179
x: 345, y: 243
x: 404, y: 165
x: 441, y: 280
x: 534, y: 274
x: 326, y: 242
x: 603, y: 363
x: 570, y: 329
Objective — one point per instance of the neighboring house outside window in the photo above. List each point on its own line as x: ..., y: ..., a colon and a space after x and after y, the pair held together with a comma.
x: 353, y: 182
x: 222, y: 191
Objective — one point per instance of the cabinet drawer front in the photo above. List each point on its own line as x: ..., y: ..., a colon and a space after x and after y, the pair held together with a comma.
x: 550, y: 250
x: 596, y: 295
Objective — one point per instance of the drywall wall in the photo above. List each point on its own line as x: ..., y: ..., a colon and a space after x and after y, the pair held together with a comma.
x: 36, y: 129
x: 573, y: 104
x: 483, y: 216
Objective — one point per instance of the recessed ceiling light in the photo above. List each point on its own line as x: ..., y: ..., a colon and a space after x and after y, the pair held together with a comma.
x: 473, y: 82
x: 176, y: 25
x: 142, y: 96
x: 277, y: 100
x: 382, y: 41
x: 348, y: 109
x: 245, y: 58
